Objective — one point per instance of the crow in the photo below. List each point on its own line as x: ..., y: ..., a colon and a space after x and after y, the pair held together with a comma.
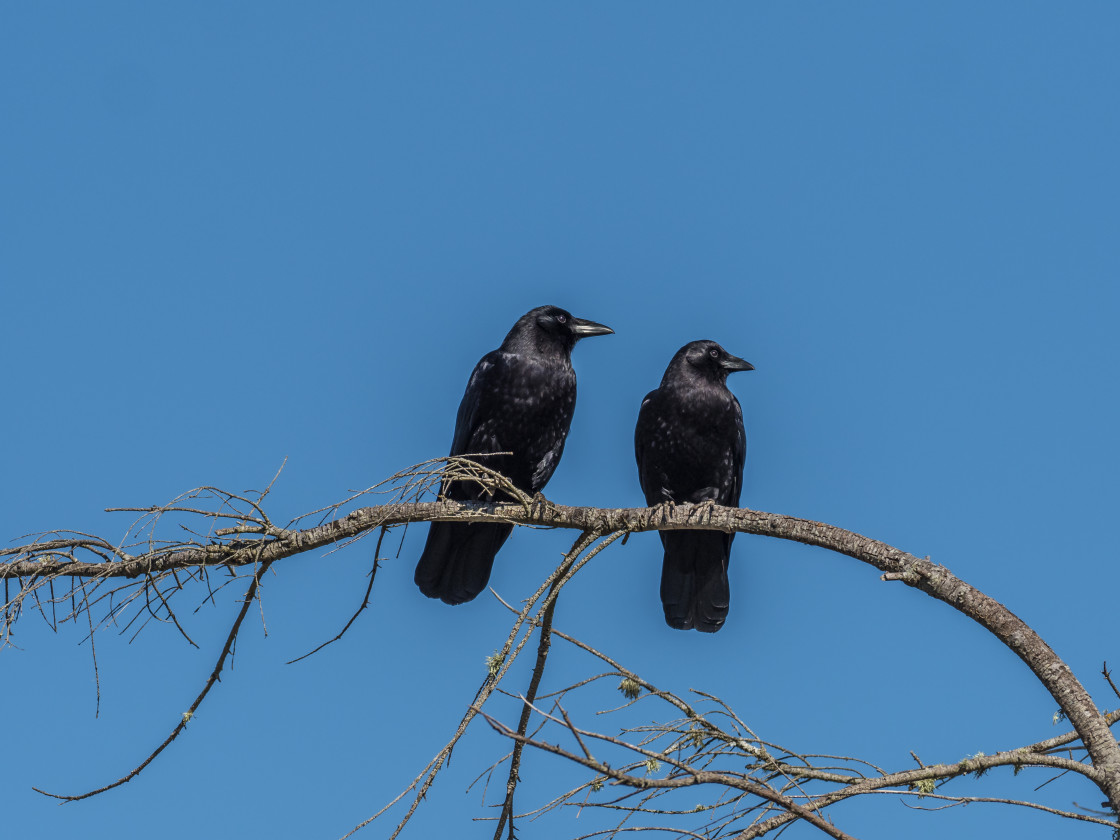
x: 520, y: 399
x: 690, y: 447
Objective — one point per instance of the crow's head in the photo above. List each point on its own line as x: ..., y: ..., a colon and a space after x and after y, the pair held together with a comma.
x: 552, y: 327
x: 707, y: 360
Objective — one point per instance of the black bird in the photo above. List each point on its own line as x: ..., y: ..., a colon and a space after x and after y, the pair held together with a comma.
x: 520, y: 399
x: 690, y: 446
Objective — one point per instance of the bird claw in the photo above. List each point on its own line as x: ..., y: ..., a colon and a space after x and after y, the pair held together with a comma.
x: 663, y: 511
x: 702, y: 511
x: 537, y: 505
x: 705, y: 509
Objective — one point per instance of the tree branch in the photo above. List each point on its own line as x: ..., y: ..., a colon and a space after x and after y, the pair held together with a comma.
x: 253, y: 539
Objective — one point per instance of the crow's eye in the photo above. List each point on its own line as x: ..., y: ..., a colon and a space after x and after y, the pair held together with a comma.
x: 561, y: 319
x: 714, y: 353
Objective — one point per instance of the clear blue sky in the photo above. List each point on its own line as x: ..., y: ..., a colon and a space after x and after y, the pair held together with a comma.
x: 235, y: 234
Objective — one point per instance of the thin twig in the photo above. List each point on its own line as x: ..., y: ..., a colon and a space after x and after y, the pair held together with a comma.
x: 187, y: 715
x: 365, y: 603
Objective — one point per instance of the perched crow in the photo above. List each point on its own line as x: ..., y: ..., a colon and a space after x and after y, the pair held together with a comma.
x: 520, y: 399
x: 690, y: 447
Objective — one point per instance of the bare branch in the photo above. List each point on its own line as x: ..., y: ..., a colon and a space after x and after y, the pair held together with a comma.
x: 777, y: 785
x: 693, y: 778
x: 364, y: 604
x: 499, y: 667
x: 523, y: 725
x: 215, y: 675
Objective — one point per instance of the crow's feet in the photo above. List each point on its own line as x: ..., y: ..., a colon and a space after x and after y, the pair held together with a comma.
x: 662, y: 512
x: 704, y: 510
x: 538, y: 505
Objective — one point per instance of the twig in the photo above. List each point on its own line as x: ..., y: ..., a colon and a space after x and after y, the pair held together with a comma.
x: 187, y: 715
x: 1108, y: 676
x: 365, y: 603
x: 508, y: 654
x: 526, y: 710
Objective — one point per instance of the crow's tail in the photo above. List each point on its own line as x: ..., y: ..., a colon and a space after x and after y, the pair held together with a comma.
x: 457, y: 559
x: 694, y: 588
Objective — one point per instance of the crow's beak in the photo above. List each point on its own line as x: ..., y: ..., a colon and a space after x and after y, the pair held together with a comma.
x: 582, y: 328
x: 733, y: 363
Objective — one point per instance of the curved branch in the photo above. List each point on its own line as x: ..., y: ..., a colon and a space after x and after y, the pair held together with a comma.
x: 42, y: 562
x: 750, y: 755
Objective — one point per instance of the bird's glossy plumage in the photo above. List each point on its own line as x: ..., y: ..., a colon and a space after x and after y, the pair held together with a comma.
x: 520, y: 399
x: 690, y: 446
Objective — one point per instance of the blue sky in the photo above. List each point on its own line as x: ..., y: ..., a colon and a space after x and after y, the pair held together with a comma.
x: 235, y: 235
